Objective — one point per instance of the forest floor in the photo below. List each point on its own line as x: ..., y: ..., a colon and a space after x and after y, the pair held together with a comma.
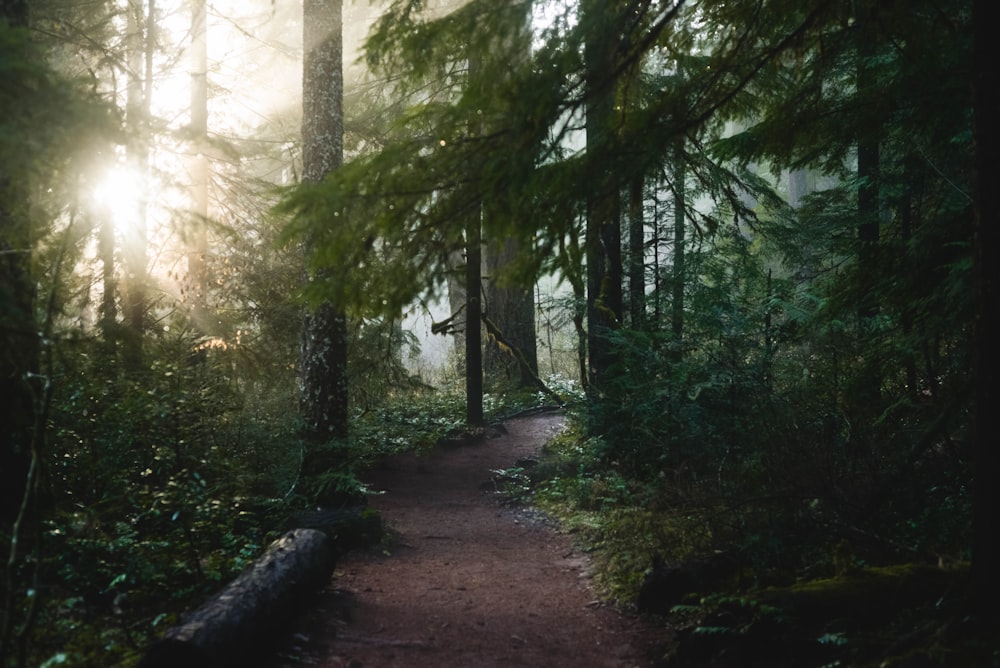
x: 467, y: 579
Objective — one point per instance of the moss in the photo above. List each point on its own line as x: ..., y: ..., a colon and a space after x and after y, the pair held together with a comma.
x: 867, y: 594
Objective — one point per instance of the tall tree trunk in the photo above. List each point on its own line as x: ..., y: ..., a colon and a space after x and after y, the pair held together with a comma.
x: 985, y: 585
x: 473, y: 316
x: 679, y: 269
x: 141, y: 44
x: 474, y: 279
x: 868, y: 217
x: 18, y: 331
x: 510, y: 306
x: 324, y: 329
x: 198, y: 169
x: 603, y: 233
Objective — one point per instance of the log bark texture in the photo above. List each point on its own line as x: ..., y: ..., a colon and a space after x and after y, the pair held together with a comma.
x: 240, y: 619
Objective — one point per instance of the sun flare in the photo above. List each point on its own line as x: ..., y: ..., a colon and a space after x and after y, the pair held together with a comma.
x: 120, y: 193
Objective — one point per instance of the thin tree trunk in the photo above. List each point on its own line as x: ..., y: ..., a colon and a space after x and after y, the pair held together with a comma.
x: 108, y: 310
x: 570, y: 249
x: 456, y: 302
x: 636, y: 255
x: 680, y: 250
x: 473, y: 316
x: 198, y: 167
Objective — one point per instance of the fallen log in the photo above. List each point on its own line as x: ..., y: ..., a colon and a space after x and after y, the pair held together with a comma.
x: 349, y: 528
x: 238, y: 621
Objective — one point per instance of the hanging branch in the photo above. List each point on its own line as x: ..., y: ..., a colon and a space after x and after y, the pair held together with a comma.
x: 494, y: 332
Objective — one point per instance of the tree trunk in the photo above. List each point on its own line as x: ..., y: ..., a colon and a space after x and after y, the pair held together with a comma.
x: 229, y: 628
x: 511, y: 308
x: 603, y: 235
x: 198, y: 168
x: 141, y: 45
x: 636, y: 255
x: 108, y: 310
x: 985, y: 586
x: 18, y: 331
x: 679, y: 270
x: 473, y: 315
x: 324, y: 330
x: 798, y: 187
x: 456, y: 302
x: 868, y: 216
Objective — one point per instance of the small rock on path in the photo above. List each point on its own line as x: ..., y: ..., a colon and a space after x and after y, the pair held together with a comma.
x: 468, y: 582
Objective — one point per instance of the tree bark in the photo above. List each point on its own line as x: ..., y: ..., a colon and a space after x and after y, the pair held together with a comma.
x: 512, y: 309
x: 473, y: 315
x: 603, y: 235
x: 985, y: 586
x: 324, y: 330
x: 237, y: 622
x: 636, y: 255
x: 456, y: 302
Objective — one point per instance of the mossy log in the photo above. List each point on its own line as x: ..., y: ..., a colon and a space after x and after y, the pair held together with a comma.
x: 868, y: 595
x: 239, y: 620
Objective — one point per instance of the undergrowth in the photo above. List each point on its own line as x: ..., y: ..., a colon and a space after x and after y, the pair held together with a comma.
x: 731, y: 564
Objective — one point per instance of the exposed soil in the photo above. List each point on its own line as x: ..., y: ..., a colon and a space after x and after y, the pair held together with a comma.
x: 468, y: 580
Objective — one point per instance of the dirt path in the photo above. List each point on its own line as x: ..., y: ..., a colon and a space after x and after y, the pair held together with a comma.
x: 469, y: 582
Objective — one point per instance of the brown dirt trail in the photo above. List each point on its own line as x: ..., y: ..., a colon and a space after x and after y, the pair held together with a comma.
x: 468, y: 581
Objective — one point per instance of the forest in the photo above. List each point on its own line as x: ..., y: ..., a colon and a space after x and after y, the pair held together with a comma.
x: 747, y: 247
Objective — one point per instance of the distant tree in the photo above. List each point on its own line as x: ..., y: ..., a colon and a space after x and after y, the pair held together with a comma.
x: 511, y: 357
x: 636, y: 254
x: 141, y: 37
x: 196, y: 229
x: 678, y: 279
